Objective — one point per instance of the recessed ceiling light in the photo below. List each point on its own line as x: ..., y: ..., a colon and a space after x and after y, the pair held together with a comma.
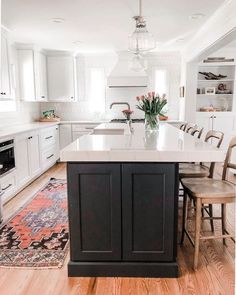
x: 58, y: 20
x: 77, y: 42
x: 195, y: 16
x: 180, y: 40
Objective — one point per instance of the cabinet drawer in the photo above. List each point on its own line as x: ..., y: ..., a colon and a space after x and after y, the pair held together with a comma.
x: 76, y: 135
x: 49, y: 156
x: 83, y: 127
x: 49, y: 137
x: 8, y: 186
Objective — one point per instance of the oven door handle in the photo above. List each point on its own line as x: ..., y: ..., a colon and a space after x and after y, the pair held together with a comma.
x: 7, y: 147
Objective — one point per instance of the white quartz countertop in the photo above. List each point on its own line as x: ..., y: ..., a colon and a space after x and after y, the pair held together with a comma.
x: 169, y: 144
x: 8, y: 131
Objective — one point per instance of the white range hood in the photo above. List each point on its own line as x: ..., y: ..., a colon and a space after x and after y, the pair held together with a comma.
x: 122, y: 76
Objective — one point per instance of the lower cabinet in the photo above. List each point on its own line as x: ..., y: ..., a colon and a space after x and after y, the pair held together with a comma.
x: 123, y: 219
x: 35, y: 152
x: 27, y: 157
x: 223, y: 122
x: 95, y: 212
x: 147, y: 210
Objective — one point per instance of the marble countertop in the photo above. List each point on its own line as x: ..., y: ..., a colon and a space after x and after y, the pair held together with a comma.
x: 8, y: 131
x: 169, y: 144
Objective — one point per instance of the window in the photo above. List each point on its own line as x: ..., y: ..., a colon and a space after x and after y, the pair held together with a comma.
x: 160, y: 82
x: 97, y: 90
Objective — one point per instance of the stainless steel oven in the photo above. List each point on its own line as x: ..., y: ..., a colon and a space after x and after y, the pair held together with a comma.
x: 7, y: 158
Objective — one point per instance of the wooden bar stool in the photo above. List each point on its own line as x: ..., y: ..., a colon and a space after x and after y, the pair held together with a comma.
x: 208, y: 191
x: 190, y: 170
x: 197, y: 132
x: 183, y: 126
x: 190, y: 128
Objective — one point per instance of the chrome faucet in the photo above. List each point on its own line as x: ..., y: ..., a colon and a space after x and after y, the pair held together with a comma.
x: 129, y: 121
x: 120, y: 103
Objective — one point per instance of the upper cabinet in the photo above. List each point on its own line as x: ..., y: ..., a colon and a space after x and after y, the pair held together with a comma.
x: 5, y: 87
x: 41, y: 76
x: 61, y: 78
x: 32, y: 75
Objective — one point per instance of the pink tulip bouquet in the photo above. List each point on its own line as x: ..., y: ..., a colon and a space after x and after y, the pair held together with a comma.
x: 152, y: 106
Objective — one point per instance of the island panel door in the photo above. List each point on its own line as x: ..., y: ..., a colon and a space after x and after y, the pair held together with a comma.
x: 95, y: 211
x: 148, y: 204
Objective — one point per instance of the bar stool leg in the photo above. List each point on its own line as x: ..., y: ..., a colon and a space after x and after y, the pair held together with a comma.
x: 211, y: 215
x: 223, y: 216
x: 184, y: 216
x: 197, y: 232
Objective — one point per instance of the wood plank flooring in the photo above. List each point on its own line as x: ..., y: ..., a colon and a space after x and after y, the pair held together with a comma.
x: 215, y: 275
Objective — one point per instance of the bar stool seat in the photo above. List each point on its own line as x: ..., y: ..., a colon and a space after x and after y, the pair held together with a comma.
x: 209, y: 188
x: 188, y: 170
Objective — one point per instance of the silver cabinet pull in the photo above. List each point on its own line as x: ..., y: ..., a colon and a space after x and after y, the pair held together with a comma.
x: 48, y: 137
x: 5, y: 188
x: 50, y: 156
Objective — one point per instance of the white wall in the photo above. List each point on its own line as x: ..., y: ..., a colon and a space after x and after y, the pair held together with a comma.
x: 80, y: 110
x: 26, y: 112
x: 219, y: 29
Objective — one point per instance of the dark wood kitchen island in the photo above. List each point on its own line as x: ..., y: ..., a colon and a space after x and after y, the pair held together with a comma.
x: 123, y: 201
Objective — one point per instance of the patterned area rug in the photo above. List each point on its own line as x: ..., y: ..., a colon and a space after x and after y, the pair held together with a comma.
x: 37, y: 235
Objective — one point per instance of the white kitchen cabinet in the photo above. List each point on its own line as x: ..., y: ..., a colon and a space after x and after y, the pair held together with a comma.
x: 61, y: 79
x: 34, y: 154
x: 32, y: 75
x: 5, y: 87
x: 8, y: 186
x: 41, y: 76
x: 26, y: 74
x: 79, y: 130
x: 49, y: 147
x: 65, y: 135
x: 218, y: 121
x: 22, y: 159
x: 27, y: 153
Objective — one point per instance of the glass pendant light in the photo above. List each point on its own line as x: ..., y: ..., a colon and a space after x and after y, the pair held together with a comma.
x: 141, y: 40
x: 138, y: 63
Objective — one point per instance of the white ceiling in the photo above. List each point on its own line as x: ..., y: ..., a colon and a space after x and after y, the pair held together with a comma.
x: 102, y: 25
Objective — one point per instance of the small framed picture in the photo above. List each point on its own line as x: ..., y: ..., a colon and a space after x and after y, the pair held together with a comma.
x: 210, y: 90
x: 181, y: 91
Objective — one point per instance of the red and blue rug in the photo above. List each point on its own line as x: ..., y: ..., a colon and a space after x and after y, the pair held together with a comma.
x: 37, y: 235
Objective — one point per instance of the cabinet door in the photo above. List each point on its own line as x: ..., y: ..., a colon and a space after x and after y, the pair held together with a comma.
x: 41, y: 76
x: 5, y: 92
x: 65, y: 135
x: 149, y: 210
x: 22, y: 159
x: 95, y: 211
x: 34, y: 154
x: 205, y: 121
x: 224, y: 124
x: 76, y: 135
x: 26, y: 74
x: 60, y: 78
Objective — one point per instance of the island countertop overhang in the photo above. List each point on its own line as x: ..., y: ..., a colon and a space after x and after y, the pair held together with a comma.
x: 169, y: 144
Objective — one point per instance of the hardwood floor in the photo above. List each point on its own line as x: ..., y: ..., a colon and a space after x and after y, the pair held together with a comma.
x: 215, y: 275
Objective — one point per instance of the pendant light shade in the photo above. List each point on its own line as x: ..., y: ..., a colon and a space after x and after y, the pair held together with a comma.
x: 141, y: 40
x: 137, y: 63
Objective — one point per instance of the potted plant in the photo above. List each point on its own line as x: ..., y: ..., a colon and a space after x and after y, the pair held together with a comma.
x: 152, y: 105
